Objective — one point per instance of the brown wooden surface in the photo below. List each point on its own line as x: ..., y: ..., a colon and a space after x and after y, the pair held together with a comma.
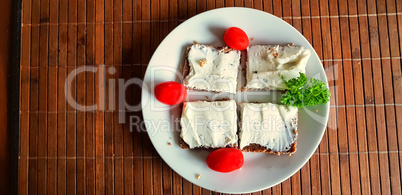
x: 4, y: 60
x: 9, y: 77
x: 63, y: 150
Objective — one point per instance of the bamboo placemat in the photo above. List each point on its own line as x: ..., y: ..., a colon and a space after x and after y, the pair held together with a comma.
x: 63, y: 150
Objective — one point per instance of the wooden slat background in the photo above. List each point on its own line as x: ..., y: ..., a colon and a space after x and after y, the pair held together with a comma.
x: 63, y: 150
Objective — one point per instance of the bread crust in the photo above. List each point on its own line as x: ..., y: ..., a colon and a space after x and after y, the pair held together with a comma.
x: 184, y: 145
x: 261, y: 149
x: 186, y: 68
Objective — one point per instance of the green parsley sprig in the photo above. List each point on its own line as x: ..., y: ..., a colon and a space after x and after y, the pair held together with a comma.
x: 303, y: 92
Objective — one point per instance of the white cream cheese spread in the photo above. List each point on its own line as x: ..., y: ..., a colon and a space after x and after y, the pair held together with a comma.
x: 212, y: 69
x: 266, y: 64
x: 209, y: 124
x: 269, y: 125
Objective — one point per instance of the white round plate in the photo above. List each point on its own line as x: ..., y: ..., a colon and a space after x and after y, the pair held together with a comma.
x: 260, y: 171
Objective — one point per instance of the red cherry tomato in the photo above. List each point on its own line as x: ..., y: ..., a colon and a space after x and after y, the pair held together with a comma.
x: 225, y: 160
x: 236, y: 38
x: 170, y: 93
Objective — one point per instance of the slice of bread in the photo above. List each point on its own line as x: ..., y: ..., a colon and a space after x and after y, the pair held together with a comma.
x: 268, y: 128
x: 207, y: 68
x: 266, y: 64
x: 206, y: 125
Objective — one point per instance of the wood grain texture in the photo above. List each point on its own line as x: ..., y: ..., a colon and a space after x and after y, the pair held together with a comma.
x: 9, y: 139
x: 64, y: 149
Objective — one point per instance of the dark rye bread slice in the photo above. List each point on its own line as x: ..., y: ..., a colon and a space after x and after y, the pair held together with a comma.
x: 187, y: 68
x: 257, y: 148
x: 184, y: 145
x: 261, y: 149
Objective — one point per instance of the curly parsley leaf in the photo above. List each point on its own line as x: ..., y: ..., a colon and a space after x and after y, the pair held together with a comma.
x: 303, y: 92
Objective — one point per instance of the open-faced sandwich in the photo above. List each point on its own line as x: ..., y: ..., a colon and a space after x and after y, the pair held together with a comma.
x: 208, y: 68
